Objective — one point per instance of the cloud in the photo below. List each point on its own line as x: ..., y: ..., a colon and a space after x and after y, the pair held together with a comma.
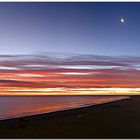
x: 68, y: 71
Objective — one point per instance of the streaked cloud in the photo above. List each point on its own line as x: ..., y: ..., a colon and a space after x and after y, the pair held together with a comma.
x: 69, y: 74
x: 29, y: 75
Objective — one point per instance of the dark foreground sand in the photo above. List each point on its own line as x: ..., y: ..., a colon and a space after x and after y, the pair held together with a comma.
x: 120, y: 119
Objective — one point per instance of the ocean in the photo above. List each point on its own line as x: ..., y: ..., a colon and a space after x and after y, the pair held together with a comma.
x: 19, y: 106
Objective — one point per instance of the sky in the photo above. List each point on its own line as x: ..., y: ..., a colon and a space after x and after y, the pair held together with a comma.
x: 69, y: 48
x: 91, y: 28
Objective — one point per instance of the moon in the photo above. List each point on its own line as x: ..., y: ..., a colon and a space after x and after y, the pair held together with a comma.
x: 122, y: 20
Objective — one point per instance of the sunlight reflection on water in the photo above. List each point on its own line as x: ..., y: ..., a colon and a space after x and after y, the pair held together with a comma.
x: 12, y: 107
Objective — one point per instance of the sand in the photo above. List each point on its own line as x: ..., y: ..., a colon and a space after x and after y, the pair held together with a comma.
x: 119, y: 119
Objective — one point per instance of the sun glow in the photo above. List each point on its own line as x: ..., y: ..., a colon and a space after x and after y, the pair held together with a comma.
x: 73, y: 91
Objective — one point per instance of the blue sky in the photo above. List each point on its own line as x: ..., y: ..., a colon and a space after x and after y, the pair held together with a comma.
x: 89, y: 28
x: 69, y: 48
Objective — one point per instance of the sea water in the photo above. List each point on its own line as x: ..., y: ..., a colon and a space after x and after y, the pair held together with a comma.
x: 19, y: 106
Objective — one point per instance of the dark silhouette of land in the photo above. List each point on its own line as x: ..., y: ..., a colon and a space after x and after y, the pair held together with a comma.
x: 120, y: 119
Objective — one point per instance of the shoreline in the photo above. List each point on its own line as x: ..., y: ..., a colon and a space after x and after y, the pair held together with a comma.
x: 118, y: 119
x: 66, y: 109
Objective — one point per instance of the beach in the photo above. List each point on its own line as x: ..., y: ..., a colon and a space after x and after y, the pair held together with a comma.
x: 118, y: 119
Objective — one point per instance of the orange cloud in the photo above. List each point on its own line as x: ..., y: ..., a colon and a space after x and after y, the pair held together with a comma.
x: 31, y: 75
